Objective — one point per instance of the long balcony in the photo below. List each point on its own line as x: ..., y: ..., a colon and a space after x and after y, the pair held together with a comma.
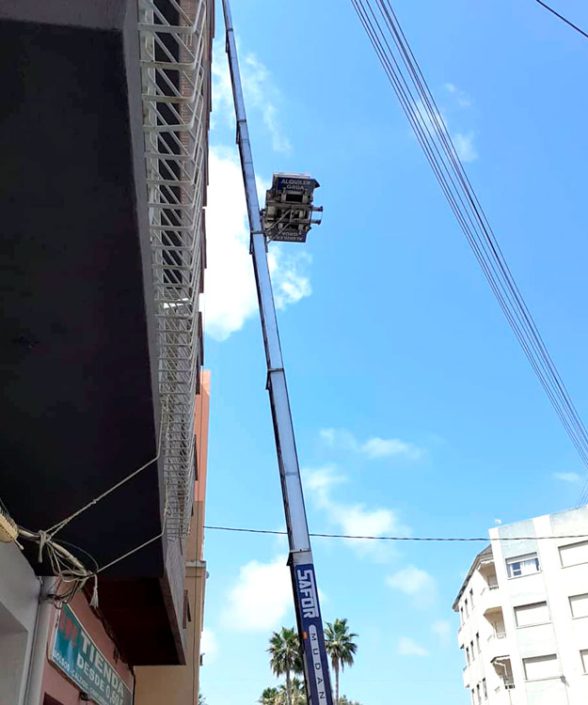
x: 490, y: 599
x: 101, y: 190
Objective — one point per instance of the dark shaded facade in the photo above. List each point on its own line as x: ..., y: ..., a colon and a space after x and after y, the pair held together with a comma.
x: 80, y: 336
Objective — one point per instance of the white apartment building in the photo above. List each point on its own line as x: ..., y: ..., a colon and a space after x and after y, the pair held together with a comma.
x: 523, y: 611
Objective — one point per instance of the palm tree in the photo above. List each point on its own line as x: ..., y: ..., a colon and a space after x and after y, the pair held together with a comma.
x: 285, y: 658
x: 344, y: 700
x: 297, y: 692
x: 340, y: 647
x: 270, y: 696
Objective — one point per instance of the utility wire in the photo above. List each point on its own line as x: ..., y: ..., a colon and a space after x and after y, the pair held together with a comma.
x: 562, y: 18
x: 406, y: 77
x: 436, y: 539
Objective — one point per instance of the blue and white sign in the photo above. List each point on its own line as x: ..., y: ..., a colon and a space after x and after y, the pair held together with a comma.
x: 76, y: 654
x: 319, y: 681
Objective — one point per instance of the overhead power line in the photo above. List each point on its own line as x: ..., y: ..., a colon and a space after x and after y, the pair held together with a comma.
x: 413, y: 539
x: 406, y: 77
x: 562, y: 18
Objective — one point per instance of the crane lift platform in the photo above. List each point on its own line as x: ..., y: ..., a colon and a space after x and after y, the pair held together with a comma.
x: 287, y: 216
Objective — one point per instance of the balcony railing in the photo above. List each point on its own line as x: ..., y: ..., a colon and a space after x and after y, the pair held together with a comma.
x: 497, y: 635
x: 174, y: 45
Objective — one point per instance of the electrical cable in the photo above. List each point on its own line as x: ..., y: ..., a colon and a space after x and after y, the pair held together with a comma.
x: 414, y: 539
x: 60, y: 525
x: 407, y: 79
x: 64, y: 564
x: 562, y: 18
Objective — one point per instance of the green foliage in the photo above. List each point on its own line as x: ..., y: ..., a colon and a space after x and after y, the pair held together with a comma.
x: 297, y: 691
x: 270, y: 696
x: 344, y: 700
x: 341, y: 648
x: 284, y: 651
x: 285, y: 658
x: 279, y: 696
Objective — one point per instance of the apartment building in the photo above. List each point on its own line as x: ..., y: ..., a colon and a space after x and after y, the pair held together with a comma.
x: 523, y: 611
x: 104, y: 146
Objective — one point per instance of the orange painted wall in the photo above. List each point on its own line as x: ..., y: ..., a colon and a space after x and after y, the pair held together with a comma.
x: 178, y: 685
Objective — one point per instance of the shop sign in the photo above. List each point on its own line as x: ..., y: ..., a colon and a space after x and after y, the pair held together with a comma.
x: 81, y: 660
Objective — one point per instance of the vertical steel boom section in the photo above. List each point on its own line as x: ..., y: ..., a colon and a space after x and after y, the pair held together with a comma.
x: 310, y: 627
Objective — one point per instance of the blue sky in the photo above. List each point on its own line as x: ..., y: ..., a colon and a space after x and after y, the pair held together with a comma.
x: 415, y: 410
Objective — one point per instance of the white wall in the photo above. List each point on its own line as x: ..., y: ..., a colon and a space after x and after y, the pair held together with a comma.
x: 19, y: 590
x: 563, y: 635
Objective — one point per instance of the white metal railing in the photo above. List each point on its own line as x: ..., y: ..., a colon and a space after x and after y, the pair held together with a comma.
x: 175, y: 49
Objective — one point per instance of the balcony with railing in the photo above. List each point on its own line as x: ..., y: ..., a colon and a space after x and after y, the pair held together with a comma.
x: 102, y: 191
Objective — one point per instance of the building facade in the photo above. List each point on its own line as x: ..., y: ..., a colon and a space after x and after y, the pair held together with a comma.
x: 103, y: 187
x: 19, y: 599
x: 179, y: 685
x: 523, y: 611
x: 67, y: 653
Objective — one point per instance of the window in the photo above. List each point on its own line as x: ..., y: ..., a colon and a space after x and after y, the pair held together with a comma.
x: 187, y: 615
x: 579, y: 605
x: 478, y: 694
x: 472, y: 597
x: 584, y: 657
x: 461, y: 615
x: 472, y: 652
x: 573, y: 554
x: 473, y: 697
x: 484, y: 689
x: 465, y: 604
x: 478, y: 643
x: 536, y: 613
x: 468, y: 654
x: 522, y: 565
x: 541, y: 667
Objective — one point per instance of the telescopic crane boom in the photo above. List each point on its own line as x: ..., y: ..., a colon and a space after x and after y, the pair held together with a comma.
x: 288, y: 217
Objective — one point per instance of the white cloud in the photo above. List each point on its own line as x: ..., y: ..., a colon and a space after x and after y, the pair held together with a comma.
x: 339, y: 438
x: 208, y: 644
x: 222, y: 93
x: 464, y: 146
x: 230, y: 296
x: 442, y: 628
x: 261, y: 95
x: 497, y: 521
x: 290, y: 279
x: 387, y: 447
x: 571, y: 478
x: 357, y: 520
x: 419, y: 585
x: 353, y: 519
x: 260, y: 599
x: 463, y: 141
x: 320, y: 481
x: 462, y: 98
x: 372, y: 448
x: 409, y: 647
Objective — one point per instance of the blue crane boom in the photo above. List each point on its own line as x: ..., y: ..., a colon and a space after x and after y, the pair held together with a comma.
x: 288, y: 217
